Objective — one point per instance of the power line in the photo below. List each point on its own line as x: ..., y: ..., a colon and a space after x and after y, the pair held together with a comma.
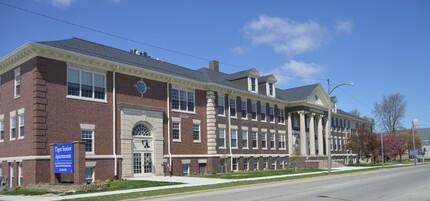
x: 136, y: 41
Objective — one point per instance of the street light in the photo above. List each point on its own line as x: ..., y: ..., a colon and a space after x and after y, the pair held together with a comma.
x: 329, y: 119
x: 415, y: 124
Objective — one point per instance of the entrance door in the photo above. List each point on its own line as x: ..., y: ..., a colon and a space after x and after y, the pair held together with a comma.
x: 142, y: 150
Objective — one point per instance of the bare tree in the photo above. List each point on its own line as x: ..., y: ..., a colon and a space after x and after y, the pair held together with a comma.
x: 390, y: 112
x: 355, y: 112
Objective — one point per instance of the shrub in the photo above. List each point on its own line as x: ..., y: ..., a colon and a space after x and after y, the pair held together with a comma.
x: 17, y: 187
x: 98, y: 181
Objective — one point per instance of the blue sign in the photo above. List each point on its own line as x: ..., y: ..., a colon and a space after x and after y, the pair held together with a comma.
x: 414, y: 152
x: 63, y: 158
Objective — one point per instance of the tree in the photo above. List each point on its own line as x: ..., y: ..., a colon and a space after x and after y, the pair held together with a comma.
x: 390, y: 112
x: 355, y: 112
x: 363, y: 142
x: 393, y: 146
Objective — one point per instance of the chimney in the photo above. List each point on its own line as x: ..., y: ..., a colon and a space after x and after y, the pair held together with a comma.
x: 214, y: 65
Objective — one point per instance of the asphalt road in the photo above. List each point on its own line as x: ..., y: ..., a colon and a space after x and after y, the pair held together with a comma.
x: 409, y: 183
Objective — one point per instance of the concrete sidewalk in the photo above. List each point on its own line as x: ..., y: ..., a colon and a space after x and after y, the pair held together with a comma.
x: 188, y: 182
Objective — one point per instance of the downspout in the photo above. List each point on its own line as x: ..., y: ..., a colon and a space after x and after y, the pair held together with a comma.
x: 229, y: 129
x: 168, y: 125
x: 114, y: 121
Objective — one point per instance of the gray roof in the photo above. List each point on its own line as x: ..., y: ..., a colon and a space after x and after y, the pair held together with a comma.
x: 424, y: 135
x: 296, y: 94
x: 109, y: 53
x: 240, y: 74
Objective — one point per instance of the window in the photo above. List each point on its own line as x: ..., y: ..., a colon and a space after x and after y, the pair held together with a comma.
x: 221, y: 137
x: 272, y: 119
x: 253, y: 84
x: 244, y: 139
x: 254, y: 111
x: 182, y: 100
x: 221, y: 105
x: 256, y: 164
x: 86, y: 84
x: 281, y: 116
x: 87, y: 137
x: 1, y: 130
x: 263, y: 111
x: 281, y: 141
x: 244, y: 108
x: 12, y: 127
x: 234, y: 164
x: 89, y: 174
x: 264, y: 140
x: 265, y: 163
x: 20, y: 180
x: 295, y: 120
x: 274, y: 163
x: 233, y: 107
x: 272, y: 141
x: 254, y: 140
x: 176, y: 128
x: 21, y: 125
x: 245, y: 164
x: 196, y: 132
x: 234, y: 138
x: 17, y: 88
x: 271, y: 87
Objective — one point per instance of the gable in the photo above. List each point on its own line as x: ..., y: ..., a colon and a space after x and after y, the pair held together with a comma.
x: 318, y: 97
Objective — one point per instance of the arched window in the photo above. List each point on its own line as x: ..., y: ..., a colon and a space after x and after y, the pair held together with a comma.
x: 141, y: 130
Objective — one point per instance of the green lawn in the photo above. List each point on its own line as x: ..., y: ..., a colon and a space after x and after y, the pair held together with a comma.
x: 260, y: 173
x: 116, y: 185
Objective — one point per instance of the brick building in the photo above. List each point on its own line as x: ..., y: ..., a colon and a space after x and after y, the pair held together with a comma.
x: 139, y: 116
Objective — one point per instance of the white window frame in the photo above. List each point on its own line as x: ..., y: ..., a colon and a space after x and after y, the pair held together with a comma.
x: 21, y: 124
x: 255, y: 84
x: 233, y: 135
x: 92, y: 174
x: 232, y: 100
x: 12, y: 124
x: 263, y: 111
x: 242, y: 102
x: 254, y: 110
x: 80, y: 70
x: 221, y: 99
x: 268, y: 89
x: 263, y: 140
x: 254, y: 133
x: 281, y: 118
x: 20, y: 178
x: 272, y: 139
x: 197, y: 123
x: 235, y: 163
x: 187, y: 100
x: 90, y: 128
x: 282, y: 141
x: 272, y: 113
x: 246, y: 163
x: 245, y: 137
x: 1, y: 128
x: 176, y: 120
x: 17, y: 83
x: 219, y: 139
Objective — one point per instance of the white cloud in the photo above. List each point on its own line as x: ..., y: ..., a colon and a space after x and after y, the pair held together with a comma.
x: 58, y: 3
x: 240, y: 50
x: 286, y: 36
x: 293, y: 68
x: 344, y: 26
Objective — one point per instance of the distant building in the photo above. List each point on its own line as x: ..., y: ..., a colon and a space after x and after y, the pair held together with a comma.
x: 424, y: 134
x: 140, y: 116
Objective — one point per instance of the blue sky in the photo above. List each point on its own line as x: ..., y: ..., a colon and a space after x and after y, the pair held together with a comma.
x: 383, y: 47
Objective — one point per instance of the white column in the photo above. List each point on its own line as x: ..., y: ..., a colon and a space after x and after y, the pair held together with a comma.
x: 320, y: 137
x: 312, y: 135
x: 327, y: 141
x: 302, y: 134
x: 290, y: 135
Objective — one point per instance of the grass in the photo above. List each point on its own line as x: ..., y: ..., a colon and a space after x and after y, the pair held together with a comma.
x: 256, y: 174
x: 116, y: 185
